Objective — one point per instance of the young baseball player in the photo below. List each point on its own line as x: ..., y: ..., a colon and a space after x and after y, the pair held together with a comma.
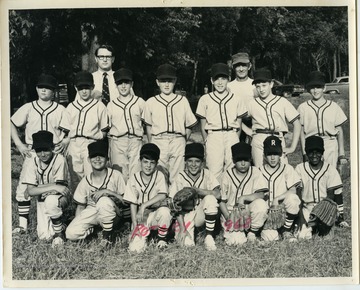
x: 46, y: 178
x: 206, y: 206
x: 270, y: 115
x: 144, y: 190
x: 85, y: 121
x: 324, y: 118
x: 99, y: 198
x: 220, y: 115
x: 319, y: 180
x: 126, y: 131
x: 243, y: 88
x: 169, y: 119
x: 243, y: 185
x: 282, y: 182
x: 42, y: 114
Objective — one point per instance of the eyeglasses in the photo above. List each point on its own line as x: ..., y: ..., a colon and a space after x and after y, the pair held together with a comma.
x: 104, y: 57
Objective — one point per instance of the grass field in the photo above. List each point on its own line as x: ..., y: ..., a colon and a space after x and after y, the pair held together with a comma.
x: 318, y: 257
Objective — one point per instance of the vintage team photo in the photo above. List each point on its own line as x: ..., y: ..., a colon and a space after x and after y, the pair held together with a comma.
x: 181, y: 143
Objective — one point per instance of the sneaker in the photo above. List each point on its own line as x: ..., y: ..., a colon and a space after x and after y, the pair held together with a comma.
x: 289, y: 236
x: 58, y: 240
x: 138, y: 244
x: 239, y: 238
x: 209, y: 243
x: 251, y: 237
x: 162, y: 244
x: 19, y: 230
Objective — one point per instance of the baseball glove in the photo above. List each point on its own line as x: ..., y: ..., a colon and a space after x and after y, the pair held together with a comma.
x: 343, y: 169
x: 239, y: 219
x: 325, y: 211
x: 276, y: 217
x: 167, y: 202
x: 185, y: 199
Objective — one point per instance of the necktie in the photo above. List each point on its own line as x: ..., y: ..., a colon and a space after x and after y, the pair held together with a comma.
x: 105, y: 90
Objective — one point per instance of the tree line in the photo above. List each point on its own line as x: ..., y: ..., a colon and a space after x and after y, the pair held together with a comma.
x: 290, y: 41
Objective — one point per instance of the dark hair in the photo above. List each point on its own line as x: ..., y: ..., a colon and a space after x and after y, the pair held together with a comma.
x: 147, y: 156
x: 105, y: 46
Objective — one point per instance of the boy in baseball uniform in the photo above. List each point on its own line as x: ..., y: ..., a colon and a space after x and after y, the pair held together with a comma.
x: 206, y: 206
x: 144, y: 191
x: 282, y: 182
x: 324, y: 118
x: 42, y: 114
x: 220, y: 114
x: 242, y: 87
x: 243, y: 186
x: 46, y: 178
x: 99, y: 198
x: 319, y: 180
x: 85, y: 121
x: 270, y: 115
x: 126, y: 131
x: 169, y: 119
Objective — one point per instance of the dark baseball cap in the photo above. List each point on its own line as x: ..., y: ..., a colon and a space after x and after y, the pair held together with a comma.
x: 151, y: 150
x: 314, y: 143
x: 98, y: 148
x: 241, y: 151
x: 123, y: 74
x: 262, y: 76
x: 219, y: 69
x: 241, y: 57
x: 84, y: 78
x: 47, y: 81
x: 42, y: 140
x: 194, y: 150
x: 166, y: 71
x: 316, y: 78
x: 272, y: 146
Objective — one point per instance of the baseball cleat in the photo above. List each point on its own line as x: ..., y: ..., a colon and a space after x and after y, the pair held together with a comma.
x: 239, y: 238
x: 162, y: 244
x: 209, y: 243
x: 251, y: 237
x: 57, y: 241
x: 138, y: 244
x: 289, y: 236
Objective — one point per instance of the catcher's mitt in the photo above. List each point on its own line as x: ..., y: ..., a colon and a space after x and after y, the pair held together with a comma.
x: 276, y: 217
x: 343, y: 169
x: 185, y: 199
x: 325, y: 211
x: 239, y: 219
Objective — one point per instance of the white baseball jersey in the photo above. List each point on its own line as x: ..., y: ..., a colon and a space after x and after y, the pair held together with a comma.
x: 244, y: 90
x: 206, y: 181
x: 55, y: 172
x: 168, y: 116
x: 125, y: 118
x: 316, y: 183
x: 35, y: 118
x: 112, y: 181
x: 138, y: 192
x: 234, y: 185
x: 272, y: 113
x: 220, y: 113
x: 281, y: 180
x: 85, y: 120
x: 321, y: 120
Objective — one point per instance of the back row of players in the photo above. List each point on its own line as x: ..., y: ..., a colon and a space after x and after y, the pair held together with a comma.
x: 101, y: 196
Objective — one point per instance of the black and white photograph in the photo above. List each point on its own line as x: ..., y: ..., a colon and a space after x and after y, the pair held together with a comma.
x: 179, y: 143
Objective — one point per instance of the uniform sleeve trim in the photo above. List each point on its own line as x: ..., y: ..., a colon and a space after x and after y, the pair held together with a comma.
x: 293, y: 120
x: 243, y: 115
x: 64, y: 129
x: 342, y: 123
x: 261, y: 190
x: 28, y: 183
x: 192, y: 125
x: 335, y: 187
x: 146, y: 123
x: 200, y: 116
x: 295, y: 184
x: 79, y: 203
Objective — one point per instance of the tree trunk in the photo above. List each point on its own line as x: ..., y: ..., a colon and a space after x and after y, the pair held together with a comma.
x: 88, y: 59
x: 335, y: 65
x: 193, y: 83
x: 339, y: 62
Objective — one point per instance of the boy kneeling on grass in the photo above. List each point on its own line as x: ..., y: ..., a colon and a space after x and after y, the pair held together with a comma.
x: 243, y: 186
x: 46, y: 178
x: 204, y: 208
x: 320, y: 180
x: 145, y: 191
x: 99, y: 198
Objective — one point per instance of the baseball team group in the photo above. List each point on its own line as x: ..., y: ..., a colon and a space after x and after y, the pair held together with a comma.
x: 123, y: 160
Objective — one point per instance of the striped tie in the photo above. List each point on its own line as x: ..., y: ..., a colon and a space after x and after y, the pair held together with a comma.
x: 105, y: 90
